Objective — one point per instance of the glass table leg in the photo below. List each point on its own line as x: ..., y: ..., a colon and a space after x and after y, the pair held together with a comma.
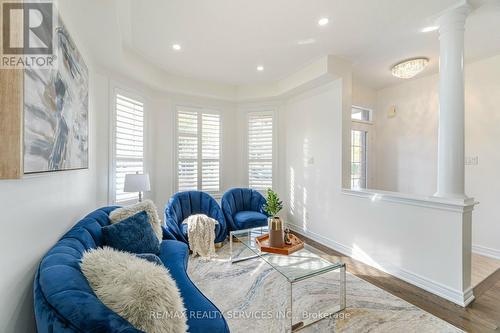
x: 342, y: 288
x: 299, y: 322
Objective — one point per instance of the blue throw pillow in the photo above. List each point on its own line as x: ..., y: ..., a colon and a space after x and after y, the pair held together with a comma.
x: 151, y: 258
x: 134, y: 234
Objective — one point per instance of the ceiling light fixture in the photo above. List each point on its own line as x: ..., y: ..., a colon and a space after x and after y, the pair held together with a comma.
x: 176, y: 47
x: 409, y: 68
x: 260, y: 68
x: 430, y: 28
x: 323, y: 21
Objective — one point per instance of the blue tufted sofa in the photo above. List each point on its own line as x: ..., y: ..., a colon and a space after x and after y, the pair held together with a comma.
x: 64, y: 301
x: 243, y: 208
x: 184, y: 204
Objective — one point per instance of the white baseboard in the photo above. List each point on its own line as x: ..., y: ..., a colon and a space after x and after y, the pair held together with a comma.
x: 456, y: 296
x: 486, y: 251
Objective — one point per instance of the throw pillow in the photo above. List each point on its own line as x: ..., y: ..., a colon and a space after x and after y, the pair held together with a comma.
x: 141, y: 292
x: 148, y: 206
x: 150, y: 257
x: 134, y: 234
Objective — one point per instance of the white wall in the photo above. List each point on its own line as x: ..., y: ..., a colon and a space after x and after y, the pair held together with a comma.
x: 37, y: 210
x: 388, y: 234
x: 407, y: 143
x: 163, y: 159
x: 160, y: 107
x: 406, y: 146
x: 363, y: 96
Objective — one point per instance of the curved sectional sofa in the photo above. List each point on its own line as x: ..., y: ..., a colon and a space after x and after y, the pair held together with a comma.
x: 64, y: 301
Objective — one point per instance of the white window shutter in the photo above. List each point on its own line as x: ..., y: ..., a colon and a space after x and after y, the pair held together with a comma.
x: 260, y: 150
x: 210, y: 148
x: 198, y: 151
x: 187, y: 150
x: 129, y: 143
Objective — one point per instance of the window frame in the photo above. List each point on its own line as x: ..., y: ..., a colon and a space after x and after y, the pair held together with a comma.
x: 274, y: 160
x: 366, y: 126
x: 370, y: 115
x: 115, y: 89
x: 364, y: 158
x: 200, y: 110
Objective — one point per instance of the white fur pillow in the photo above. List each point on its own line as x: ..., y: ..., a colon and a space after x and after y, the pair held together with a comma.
x: 141, y: 292
x: 148, y: 206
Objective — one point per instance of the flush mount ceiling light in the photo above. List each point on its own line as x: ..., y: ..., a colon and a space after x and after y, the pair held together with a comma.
x: 260, y: 68
x: 409, y: 68
x: 176, y: 47
x: 323, y: 21
x: 430, y: 28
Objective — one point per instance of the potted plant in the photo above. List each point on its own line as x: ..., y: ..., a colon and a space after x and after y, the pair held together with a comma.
x: 272, y: 207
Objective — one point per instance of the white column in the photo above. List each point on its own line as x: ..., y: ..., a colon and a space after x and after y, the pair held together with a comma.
x: 451, y: 144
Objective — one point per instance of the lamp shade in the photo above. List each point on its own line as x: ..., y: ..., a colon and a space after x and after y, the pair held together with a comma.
x: 136, y: 183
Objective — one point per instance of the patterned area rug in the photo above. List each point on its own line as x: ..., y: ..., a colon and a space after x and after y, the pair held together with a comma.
x: 254, y: 297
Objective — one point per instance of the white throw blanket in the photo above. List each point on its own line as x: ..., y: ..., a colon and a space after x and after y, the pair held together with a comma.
x: 201, y: 234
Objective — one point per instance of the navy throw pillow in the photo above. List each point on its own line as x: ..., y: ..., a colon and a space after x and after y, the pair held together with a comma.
x: 134, y: 234
x: 151, y: 258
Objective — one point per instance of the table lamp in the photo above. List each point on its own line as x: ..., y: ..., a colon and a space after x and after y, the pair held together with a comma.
x: 137, y: 183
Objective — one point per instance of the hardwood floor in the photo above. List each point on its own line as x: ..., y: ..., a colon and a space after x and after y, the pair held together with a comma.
x: 482, y: 267
x: 482, y: 315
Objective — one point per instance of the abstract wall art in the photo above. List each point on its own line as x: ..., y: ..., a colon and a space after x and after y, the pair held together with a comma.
x: 56, y: 110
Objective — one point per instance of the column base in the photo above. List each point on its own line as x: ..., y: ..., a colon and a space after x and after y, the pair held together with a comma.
x: 463, y: 198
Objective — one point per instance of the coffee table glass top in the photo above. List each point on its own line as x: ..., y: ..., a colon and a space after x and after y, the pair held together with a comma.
x: 297, y: 266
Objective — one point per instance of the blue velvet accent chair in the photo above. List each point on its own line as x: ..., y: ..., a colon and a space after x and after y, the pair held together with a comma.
x: 243, y: 209
x: 184, y: 204
x: 64, y: 301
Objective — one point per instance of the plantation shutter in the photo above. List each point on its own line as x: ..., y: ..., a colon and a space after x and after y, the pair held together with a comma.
x: 187, y: 150
x: 129, y: 143
x: 198, y: 151
x: 210, y: 152
x: 260, y: 150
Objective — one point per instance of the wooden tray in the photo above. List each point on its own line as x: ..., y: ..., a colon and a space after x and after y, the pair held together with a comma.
x: 263, y: 243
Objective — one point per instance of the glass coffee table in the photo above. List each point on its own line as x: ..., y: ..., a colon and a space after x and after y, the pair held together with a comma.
x: 303, y: 266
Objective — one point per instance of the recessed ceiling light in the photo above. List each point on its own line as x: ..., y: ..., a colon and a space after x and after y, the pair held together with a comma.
x: 176, y: 47
x: 260, y: 68
x: 409, y: 68
x: 323, y: 21
x: 430, y: 28
x: 306, y: 41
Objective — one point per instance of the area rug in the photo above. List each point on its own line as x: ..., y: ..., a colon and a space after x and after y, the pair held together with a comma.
x: 254, y: 297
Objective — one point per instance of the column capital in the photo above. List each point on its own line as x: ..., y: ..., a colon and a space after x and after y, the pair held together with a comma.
x: 453, y: 18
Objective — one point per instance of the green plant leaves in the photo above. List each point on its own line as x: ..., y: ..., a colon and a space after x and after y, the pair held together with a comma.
x: 273, y: 203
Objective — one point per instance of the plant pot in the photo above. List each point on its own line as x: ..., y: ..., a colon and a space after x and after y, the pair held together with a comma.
x: 276, y: 232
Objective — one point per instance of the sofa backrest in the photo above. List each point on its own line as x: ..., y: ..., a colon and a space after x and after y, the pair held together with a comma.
x: 64, y: 301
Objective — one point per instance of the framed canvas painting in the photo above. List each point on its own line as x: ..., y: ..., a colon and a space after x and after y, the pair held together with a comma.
x: 56, y: 110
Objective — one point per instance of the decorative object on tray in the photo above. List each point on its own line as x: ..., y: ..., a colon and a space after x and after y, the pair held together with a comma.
x: 288, y: 241
x: 295, y: 245
x: 272, y: 207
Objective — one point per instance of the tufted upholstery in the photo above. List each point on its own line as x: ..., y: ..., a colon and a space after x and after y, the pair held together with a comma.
x: 243, y: 209
x: 203, y: 315
x: 184, y: 204
x: 64, y: 301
